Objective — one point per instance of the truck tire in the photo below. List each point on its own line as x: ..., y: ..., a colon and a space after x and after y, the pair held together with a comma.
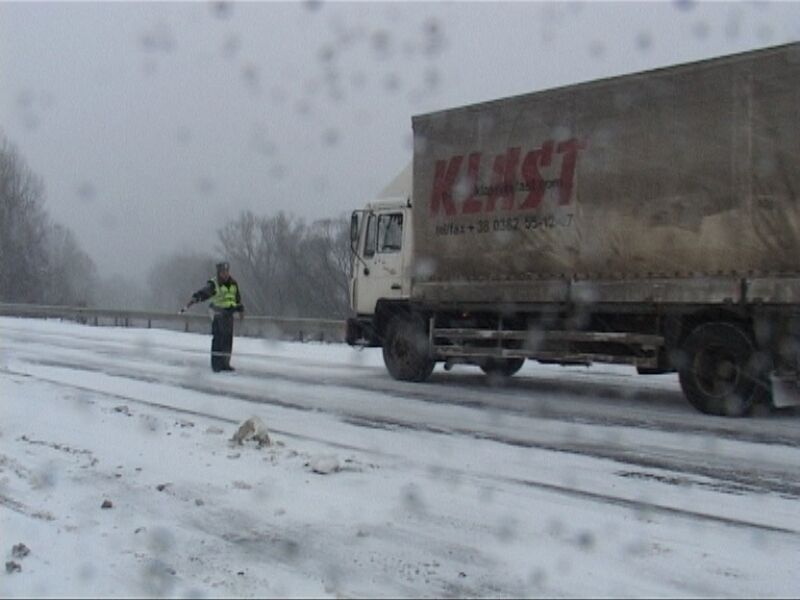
x: 406, y: 351
x: 505, y: 367
x: 720, y: 375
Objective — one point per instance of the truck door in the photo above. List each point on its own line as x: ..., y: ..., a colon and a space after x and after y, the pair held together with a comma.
x: 381, y: 273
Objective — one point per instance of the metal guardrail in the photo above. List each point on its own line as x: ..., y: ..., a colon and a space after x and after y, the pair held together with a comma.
x: 282, y: 328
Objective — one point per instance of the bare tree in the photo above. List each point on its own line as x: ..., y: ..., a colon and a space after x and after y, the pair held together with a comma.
x: 287, y: 234
x: 40, y: 262
x: 260, y: 250
x: 23, y: 229
x: 287, y: 268
x: 325, y: 267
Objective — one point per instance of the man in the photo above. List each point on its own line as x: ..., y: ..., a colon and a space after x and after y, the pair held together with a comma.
x: 225, y: 300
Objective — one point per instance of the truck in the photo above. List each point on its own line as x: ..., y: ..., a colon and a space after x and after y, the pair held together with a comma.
x: 650, y: 219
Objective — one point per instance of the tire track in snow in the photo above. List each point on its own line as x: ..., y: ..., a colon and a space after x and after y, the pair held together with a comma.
x: 736, y: 478
x: 639, y: 506
x: 731, y: 477
x: 467, y: 396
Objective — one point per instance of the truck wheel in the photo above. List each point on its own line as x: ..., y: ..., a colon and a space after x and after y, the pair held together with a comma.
x: 720, y: 374
x: 406, y: 350
x: 504, y: 367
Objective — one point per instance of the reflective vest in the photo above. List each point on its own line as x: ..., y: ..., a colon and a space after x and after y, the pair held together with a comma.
x: 225, y: 294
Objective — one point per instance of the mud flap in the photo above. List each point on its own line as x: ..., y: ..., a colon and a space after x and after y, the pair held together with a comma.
x: 360, y: 332
x: 785, y: 391
x: 353, y: 332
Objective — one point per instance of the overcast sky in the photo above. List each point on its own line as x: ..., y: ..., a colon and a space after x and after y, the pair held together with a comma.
x: 152, y: 124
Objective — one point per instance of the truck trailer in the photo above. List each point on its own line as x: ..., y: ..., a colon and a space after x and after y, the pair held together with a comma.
x: 650, y: 219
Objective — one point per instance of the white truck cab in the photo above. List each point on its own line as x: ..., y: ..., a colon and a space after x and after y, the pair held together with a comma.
x: 381, y: 234
x: 381, y: 242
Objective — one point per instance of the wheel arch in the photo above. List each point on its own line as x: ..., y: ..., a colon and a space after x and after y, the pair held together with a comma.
x: 386, y: 310
x: 684, y: 325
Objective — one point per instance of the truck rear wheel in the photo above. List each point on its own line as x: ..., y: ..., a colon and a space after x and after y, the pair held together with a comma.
x: 406, y: 350
x: 720, y: 374
x: 503, y: 367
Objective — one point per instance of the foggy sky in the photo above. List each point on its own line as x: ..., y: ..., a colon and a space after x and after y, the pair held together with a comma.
x: 152, y: 124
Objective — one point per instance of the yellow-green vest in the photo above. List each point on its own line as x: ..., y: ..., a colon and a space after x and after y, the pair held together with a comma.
x: 224, y: 295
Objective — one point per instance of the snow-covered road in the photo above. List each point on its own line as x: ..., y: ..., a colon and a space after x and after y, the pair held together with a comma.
x: 561, y: 482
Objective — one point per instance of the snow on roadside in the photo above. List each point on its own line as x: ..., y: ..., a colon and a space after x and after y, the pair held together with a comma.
x: 327, y: 508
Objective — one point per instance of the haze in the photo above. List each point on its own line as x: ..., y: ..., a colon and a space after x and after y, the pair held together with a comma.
x: 152, y: 124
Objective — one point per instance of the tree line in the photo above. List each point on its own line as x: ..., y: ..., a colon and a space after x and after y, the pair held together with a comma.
x: 285, y: 266
x: 41, y: 262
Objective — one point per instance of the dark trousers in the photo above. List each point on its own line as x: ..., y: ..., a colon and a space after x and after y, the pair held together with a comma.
x: 221, y: 340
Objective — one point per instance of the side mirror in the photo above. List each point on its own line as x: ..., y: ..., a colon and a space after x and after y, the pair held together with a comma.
x: 354, y: 221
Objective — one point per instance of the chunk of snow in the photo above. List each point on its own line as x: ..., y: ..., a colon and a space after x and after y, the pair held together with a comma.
x: 324, y: 465
x: 252, y: 429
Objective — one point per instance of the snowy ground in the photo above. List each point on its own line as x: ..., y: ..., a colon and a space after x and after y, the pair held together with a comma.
x: 562, y: 482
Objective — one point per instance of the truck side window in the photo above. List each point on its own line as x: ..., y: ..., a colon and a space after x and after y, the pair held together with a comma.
x: 369, y: 240
x: 390, y: 232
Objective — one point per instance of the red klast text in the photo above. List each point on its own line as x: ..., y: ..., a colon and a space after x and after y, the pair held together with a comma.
x: 510, y: 175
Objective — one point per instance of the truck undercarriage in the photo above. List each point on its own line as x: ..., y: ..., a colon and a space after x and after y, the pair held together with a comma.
x: 727, y: 360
